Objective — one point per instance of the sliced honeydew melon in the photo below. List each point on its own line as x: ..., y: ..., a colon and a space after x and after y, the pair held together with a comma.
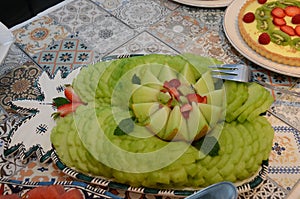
x: 142, y: 111
x: 196, y: 122
x: 158, y: 121
x: 173, y: 124
x: 145, y: 94
x: 216, y: 98
x: 205, y: 84
x: 167, y: 73
x: 212, y: 113
x: 187, y: 74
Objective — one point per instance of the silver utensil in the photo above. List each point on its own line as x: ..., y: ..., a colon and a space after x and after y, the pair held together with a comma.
x: 221, y: 190
x: 242, y: 73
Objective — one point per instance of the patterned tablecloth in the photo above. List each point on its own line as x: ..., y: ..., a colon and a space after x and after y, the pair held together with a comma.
x: 81, y: 32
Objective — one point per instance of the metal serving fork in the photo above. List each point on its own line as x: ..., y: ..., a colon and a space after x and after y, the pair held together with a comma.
x: 242, y: 73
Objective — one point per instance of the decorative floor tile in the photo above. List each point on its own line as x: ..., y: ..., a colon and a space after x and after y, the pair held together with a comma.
x: 269, y: 189
x: 3, y: 115
x: 110, y: 5
x: 64, y: 55
x: 37, y: 172
x: 144, y: 43
x: 8, y: 165
x: 205, y: 16
x: 39, y: 34
x: 177, y: 30
x: 76, y: 14
x: 287, y: 108
x: 19, y: 83
x: 286, y: 183
x: 105, y: 34
x: 140, y: 14
x: 273, y: 79
x: 15, y: 57
x: 172, y: 5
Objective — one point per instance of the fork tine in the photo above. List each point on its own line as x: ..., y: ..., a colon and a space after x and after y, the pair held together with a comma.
x: 228, y: 66
x: 232, y: 72
x: 230, y: 77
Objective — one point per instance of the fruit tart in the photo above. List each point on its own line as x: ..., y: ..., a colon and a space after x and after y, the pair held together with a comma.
x: 272, y: 29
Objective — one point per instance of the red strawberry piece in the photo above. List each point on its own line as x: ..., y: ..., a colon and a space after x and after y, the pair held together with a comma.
x: 37, y: 193
x: 10, y: 196
x: 297, y: 30
x: 194, y: 97
x: 261, y: 1
x: 292, y: 10
x: 174, y: 93
x: 278, y: 12
x: 264, y: 38
x: 288, y: 30
x: 72, y: 194
x: 186, y: 108
x: 279, y: 21
x: 55, y: 191
x: 296, y: 19
x: 249, y: 17
x: 65, y: 109
x: 71, y: 95
x: 174, y: 83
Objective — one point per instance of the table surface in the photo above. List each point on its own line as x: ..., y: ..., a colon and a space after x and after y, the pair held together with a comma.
x: 90, y: 30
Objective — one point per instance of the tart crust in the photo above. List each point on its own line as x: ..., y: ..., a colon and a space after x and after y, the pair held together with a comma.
x: 277, y: 53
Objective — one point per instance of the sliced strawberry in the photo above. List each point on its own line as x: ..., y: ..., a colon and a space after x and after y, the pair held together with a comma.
x: 55, y: 191
x: 174, y: 83
x: 288, y: 30
x: 72, y: 194
x: 264, y: 38
x: 65, y: 109
x: 185, y: 110
x: 297, y: 30
x: 261, y: 1
x: 174, y: 93
x: 292, y: 10
x: 296, y: 19
x: 71, y: 95
x: 10, y: 196
x: 249, y: 17
x: 278, y: 12
x: 194, y: 97
x: 37, y: 193
x: 279, y: 21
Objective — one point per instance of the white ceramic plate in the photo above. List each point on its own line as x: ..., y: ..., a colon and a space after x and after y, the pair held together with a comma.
x: 6, y: 39
x: 232, y: 32
x: 205, y: 3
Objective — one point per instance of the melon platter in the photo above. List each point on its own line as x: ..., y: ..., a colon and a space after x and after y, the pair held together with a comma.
x: 163, y: 122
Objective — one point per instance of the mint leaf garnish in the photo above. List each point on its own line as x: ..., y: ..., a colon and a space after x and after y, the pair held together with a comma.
x: 136, y: 80
x: 208, y: 145
x: 59, y: 101
x: 125, y: 127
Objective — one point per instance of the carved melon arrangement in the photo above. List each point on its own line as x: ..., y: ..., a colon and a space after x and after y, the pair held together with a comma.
x: 162, y: 121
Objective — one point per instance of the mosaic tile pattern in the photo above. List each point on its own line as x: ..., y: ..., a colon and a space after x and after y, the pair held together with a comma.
x: 15, y: 57
x: 64, y: 55
x: 105, y: 34
x: 19, y: 83
x: 287, y: 108
x: 39, y: 34
x: 178, y: 29
x: 144, y: 43
x: 77, y: 14
x: 140, y: 14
